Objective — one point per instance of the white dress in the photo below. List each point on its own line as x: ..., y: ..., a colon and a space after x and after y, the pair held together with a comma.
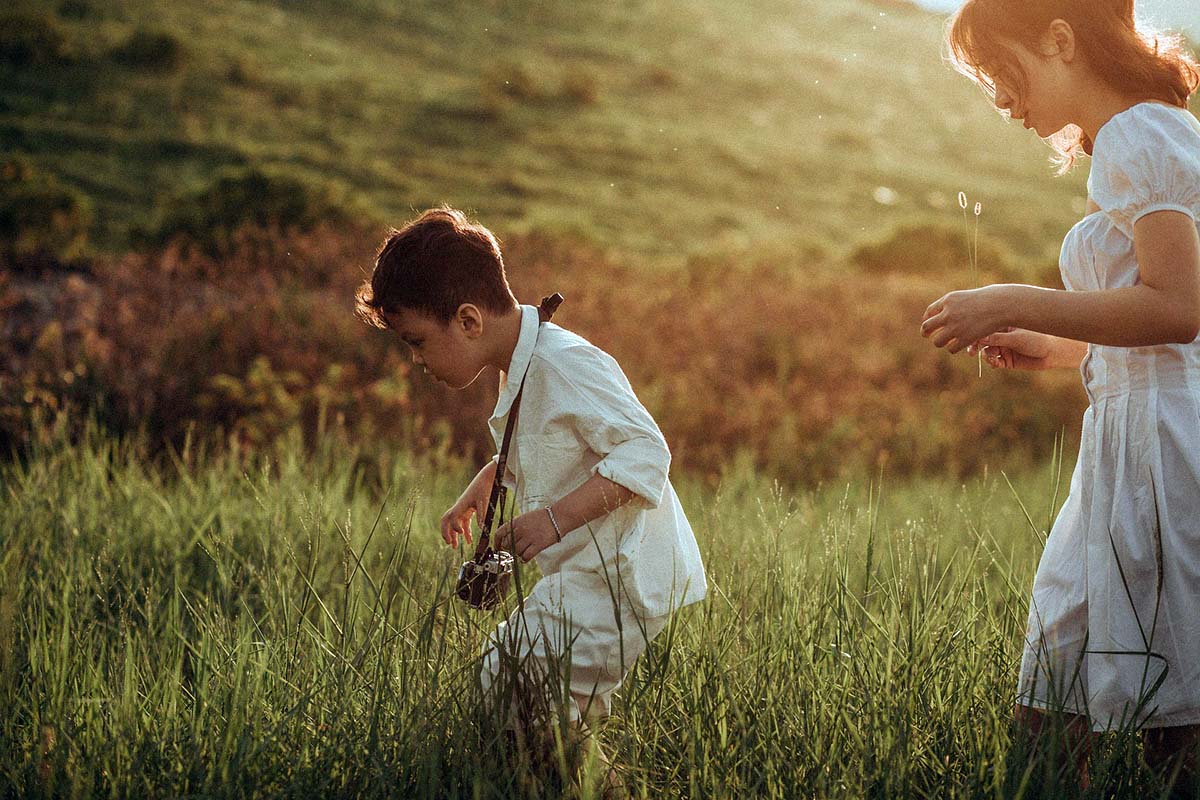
x: 1114, y: 622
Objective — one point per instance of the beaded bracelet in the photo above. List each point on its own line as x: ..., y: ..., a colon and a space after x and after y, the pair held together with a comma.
x: 554, y: 522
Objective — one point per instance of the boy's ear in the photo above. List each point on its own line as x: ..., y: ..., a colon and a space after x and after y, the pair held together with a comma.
x: 1060, y: 41
x: 470, y: 319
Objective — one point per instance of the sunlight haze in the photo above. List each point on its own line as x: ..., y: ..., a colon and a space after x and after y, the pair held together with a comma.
x: 1176, y: 14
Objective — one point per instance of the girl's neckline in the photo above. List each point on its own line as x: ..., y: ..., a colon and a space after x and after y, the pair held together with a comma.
x: 1096, y: 141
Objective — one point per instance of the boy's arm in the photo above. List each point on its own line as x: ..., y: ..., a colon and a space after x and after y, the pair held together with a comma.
x: 534, y: 531
x: 595, y: 400
x: 471, y: 503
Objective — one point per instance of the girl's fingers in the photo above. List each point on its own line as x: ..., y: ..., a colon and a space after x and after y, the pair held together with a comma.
x: 931, y: 324
x: 942, y: 338
x: 999, y: 357
x: 1001, y: 339
x: 956, y: 346
x: 934, y: 307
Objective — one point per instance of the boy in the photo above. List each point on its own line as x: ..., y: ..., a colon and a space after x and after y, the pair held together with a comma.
x: 589, y: 465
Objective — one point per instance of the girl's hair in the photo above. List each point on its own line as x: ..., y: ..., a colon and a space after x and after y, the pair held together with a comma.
x: 1129, y: 58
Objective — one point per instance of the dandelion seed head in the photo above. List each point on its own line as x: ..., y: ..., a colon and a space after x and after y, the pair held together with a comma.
x: 962, y: 200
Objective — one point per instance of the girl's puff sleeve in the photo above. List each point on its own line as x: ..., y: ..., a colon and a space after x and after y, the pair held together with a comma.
x: 606, y: 414
x: 1145, y: 161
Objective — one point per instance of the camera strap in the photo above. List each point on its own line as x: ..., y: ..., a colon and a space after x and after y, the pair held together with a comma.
x: 496, y: 502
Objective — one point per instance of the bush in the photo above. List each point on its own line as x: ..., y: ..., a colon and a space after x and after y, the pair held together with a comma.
x: 43, y: 224
x: 29, y: 38
x: 77, y: 9
x: 933, y: 250
x: 810, y: 380
x: 153, y: 50
x: 211, y: 216
x: 581, y: 88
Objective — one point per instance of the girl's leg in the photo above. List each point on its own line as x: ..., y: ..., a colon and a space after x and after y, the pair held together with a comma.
x: 1065, y: 739
x: 1171, y: 752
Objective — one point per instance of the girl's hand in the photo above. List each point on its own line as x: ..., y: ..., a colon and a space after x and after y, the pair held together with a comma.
x: 528, y: 534
x: 961, y: 318
x: 1013, y: 348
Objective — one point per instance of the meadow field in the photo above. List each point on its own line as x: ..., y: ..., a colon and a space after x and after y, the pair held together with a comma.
x: 219, y: 575
x: 211, y: 623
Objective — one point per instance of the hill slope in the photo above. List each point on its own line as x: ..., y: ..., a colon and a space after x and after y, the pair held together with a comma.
x: 663, y: 129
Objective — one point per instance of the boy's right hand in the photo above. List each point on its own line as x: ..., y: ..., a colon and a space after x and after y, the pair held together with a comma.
x: 472, y: 503
x: 457, y: 521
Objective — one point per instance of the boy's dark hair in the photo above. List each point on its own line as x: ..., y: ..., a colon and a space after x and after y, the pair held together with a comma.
x: 433, y: 265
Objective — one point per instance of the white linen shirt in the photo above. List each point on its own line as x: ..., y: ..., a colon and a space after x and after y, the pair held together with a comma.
x: 580, y: 417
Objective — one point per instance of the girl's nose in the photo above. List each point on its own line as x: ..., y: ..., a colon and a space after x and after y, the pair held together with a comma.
x: 1004, y: 100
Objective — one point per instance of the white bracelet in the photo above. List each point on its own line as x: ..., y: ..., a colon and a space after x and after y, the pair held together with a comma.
x: 554, y: 522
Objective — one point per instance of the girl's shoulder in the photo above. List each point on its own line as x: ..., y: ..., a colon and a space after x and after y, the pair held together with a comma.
x: 1146, y: 158
x: 1146, y: 127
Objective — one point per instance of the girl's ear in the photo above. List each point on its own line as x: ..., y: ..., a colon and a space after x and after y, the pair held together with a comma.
x: 1059, y: 41
x: 470, y: 320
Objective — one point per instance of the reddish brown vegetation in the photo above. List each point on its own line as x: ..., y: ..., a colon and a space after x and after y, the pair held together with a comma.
x: 812, y: 378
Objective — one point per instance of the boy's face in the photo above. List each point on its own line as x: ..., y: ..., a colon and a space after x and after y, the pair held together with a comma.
x: 449, y: 351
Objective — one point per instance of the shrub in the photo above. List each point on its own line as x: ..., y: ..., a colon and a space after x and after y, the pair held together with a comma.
x: 28, y: 38
x: 153, y: 50
x: 932, y: 250
x: 76, y: 9
x: 810, y: 380
x: 211, y: 216
x: 242, y: 72
x: 43, y: 224
x: 581, y: 88
x: 515, y: 81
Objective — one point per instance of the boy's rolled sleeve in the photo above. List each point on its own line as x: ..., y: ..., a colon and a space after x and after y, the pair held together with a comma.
x: 640, y: 464
x: 615, y: 425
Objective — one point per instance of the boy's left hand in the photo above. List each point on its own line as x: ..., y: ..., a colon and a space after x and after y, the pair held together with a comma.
x: 528, y: 534
x: 962, y: 318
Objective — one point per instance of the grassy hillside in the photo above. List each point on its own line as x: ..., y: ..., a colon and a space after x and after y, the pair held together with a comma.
x: 662, y: 129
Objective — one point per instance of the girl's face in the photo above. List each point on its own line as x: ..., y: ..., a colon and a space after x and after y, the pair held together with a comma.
x: 1042, y: 101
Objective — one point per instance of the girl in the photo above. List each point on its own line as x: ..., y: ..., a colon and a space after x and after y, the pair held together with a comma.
x: 1114, y: 623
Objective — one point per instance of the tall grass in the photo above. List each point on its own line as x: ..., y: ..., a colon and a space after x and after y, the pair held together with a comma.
x: 228, y: 624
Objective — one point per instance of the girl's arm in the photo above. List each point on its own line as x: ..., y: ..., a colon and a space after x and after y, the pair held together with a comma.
x: 1163, y: 308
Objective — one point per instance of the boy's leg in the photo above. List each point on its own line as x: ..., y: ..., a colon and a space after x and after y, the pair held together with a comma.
x: 1172, y: 753
x: 1064, y: 739
x: 590, y: 757
x: 567, y: 645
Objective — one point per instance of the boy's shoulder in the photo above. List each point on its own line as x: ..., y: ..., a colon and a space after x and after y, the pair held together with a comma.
x: 572, y: 357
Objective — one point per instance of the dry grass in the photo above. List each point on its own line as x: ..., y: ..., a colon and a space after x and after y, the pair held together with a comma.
x: 808, y: 379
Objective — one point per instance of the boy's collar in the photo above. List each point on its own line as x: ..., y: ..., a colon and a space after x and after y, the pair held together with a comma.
x: 522, y: 355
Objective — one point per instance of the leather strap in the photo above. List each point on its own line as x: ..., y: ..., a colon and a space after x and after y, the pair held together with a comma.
x: 484, y: 549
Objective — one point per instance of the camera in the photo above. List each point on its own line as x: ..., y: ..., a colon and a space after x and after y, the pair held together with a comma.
x: 483, y: 583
